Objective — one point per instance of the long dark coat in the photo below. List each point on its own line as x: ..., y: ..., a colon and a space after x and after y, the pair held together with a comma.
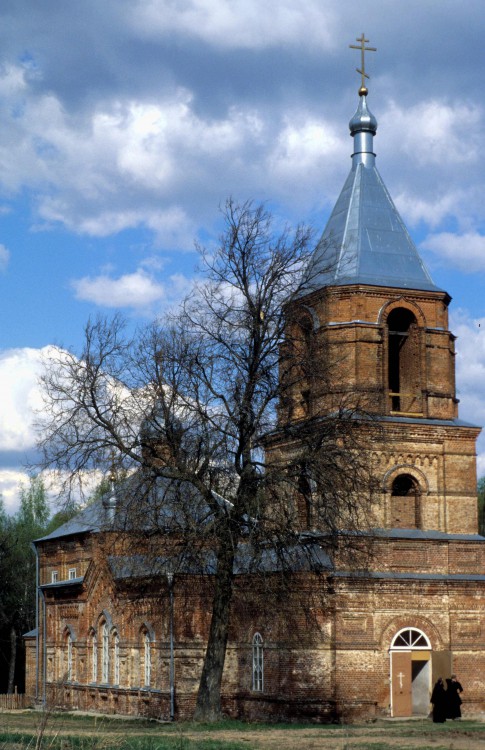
x: 439, y: 701
x: 453, y: 700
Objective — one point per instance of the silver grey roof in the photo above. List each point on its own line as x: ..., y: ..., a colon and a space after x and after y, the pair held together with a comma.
x: 83, y: 522
x: 365, y: 240
x: 141, y: 502
x: 303, y: 555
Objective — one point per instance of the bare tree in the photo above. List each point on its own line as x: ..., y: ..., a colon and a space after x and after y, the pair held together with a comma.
x: 201, y: 403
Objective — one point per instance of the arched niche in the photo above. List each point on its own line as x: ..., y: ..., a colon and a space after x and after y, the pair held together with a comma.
x: 405, y: 502
x: 404, y: 332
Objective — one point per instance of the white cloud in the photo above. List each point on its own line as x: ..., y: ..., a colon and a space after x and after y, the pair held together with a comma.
x: 465, y: 251
x: 130, y: 290
x: 126, y: 164
x: 434, y: 148
x: 22, y: 406
x: 10, y: 482
x: 20, y: 370
x: 171, y: 227
x: 236, y: 24
x: 138, y: 290
x: 470, y: 354
x: 434, y: 133
x: 4, y: 257
x: 307, y: 152
x: 470, y: 373
x: 432, y: 209
x: 132, y: 163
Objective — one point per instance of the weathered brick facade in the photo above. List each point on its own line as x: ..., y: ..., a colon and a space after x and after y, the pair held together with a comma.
x: 426, y: 573
x: 366, y: 642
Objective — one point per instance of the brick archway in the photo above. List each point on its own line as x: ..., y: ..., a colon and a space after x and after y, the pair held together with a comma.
x: 404, y: 487
x: 394, y: 471
x: 405, y: 304
x: 411, y: 642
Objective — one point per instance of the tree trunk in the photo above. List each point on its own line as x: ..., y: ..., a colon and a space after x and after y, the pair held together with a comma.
x: 208, y: 706
x: 13, y: 658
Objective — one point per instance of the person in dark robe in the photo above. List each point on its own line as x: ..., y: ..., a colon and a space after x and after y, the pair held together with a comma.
x: 439, y: 701
x: 453, y: 700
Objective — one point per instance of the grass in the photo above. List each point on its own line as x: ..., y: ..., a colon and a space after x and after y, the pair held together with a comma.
x: 63, y: 731
x: 20, y: 741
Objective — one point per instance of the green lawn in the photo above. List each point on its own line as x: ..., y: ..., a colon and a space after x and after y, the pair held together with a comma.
x: 63, y: 731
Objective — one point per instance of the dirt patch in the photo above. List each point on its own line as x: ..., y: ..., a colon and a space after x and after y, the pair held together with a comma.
x: 347, y: 737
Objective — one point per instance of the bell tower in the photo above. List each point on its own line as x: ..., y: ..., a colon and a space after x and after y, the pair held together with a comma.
x: 371, y: 313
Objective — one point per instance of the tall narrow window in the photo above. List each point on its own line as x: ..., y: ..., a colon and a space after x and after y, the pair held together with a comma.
x: 94, y: 657
x: 69, y: 657
x: 306, y: 488
x: 305, y: 365
x: 147, y: 659
x: 404, y: 362
x: 258, y: 663
x: 116, y: 658
x: 104, y: 653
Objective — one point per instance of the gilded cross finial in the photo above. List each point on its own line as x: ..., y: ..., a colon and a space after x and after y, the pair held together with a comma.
x: 363, y: 49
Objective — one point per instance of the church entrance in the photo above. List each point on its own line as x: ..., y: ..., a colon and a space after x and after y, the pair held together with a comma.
x: 410, y: 673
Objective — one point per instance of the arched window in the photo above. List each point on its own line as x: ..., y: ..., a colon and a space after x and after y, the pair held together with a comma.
x: 297, y: 366
x: 306, y: 491
x: 147, y: 658
x: 405, y: 503
x: 116, y: 658
x: 258, y: 663
x: 104, y: 653
x: 69, y: 672
x: 410, y: 639
x: 305, y: 365
x: 404, y: 362
x: 94, y: 656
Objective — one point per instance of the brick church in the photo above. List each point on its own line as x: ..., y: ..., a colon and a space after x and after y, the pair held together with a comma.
x: 385, y: 633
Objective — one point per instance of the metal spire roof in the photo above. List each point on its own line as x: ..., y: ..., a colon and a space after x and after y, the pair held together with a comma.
x: 365, y: 240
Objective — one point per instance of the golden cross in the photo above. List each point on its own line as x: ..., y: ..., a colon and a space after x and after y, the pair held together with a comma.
x: 363, y: 49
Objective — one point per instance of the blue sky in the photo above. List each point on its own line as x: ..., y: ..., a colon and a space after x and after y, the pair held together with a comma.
x: 125, y: 124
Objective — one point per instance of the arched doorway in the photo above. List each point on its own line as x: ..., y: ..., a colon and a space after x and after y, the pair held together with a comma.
x: 410, y: 654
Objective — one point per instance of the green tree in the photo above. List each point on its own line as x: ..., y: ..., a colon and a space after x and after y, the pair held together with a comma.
x: 17, y: 569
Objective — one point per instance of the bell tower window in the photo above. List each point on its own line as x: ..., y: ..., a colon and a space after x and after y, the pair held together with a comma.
x: 404, y: 363
x: 405, y: 503
x: 305, y: 492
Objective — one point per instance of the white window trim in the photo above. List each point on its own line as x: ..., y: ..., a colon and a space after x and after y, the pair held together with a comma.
x: 116, y: 658
x: 94, y: 665
x: 411, y: 636
x: 104, y: 653
x: 69, y: 658
x: 147, y: 659
x: 258, y: 663
x: 54, y: 576
x: 72, y: 574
